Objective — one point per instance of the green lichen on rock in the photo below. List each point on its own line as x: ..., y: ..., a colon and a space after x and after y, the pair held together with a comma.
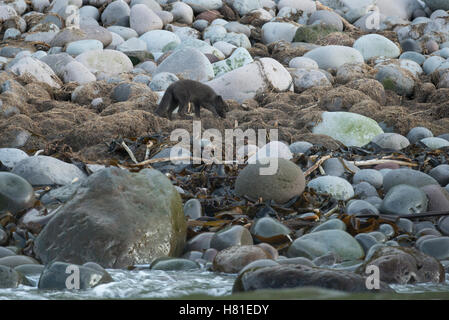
x: 239, y: 58
x: 313, y: 33
x: 351, y: 129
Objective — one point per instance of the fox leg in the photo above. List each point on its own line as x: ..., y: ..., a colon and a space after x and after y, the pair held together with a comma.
x: 197, y: 110
x: 171, y: 107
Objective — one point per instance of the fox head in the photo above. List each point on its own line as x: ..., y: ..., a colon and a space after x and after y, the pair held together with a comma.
x: 221, y: 106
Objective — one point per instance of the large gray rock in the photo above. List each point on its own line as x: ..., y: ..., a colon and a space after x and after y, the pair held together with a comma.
x: 16, y: 194
x: 374, y: 45
x: 9, y: 278
x: 407, y: 176
x: 247, y: 81
x: 188, y: 63
x: 107, y: 61
x: 437, y: 4
x: 296, y: 275
x: 116, y: 219
x: 142, y: 19
x: 287, y: 181
x: 116, y: 13
x: 404, y: 199
x: 36, y: 69
x: 43, y: 170
x: 231, y: 236
x: 332, y: 57
x: 390, y: 140
x: 233, y: 259
x: 319, y: 243
x: 349, y: 128
x: 396, y: 79
x: 337, y: 187
x: 56, y: 277
x: 404, y: 265
x: 9, y: 157
x: 58, y: 62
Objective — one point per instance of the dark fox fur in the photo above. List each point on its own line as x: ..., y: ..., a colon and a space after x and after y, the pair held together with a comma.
x: 184, y: 91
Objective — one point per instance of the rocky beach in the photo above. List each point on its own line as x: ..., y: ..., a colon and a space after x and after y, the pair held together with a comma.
x: 349, y: 98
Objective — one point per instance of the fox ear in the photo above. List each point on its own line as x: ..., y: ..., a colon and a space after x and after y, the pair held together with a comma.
x: 220, y: 98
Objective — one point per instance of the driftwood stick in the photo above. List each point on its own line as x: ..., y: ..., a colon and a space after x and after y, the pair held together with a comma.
x: 128, y: 150
x: 379, y: 161
x: 316, y: 165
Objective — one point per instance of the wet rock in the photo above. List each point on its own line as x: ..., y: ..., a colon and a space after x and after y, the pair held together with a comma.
x: 337, y: 187
x: 200, y: 242
x: 297, y: 260
x: 258, y: 181
x: 293, y: 276
x: 233, y: 259
x: 405, y: 225
x: 5, y: 252
x: 192, y: 209
x: 262, y: 263
x: 209, y: 254
x: 319, y: 243
x: 17, y: 260
x: 404, y: 265
x: 404, y: 199
x: 44, y: 170
x: 265, y: 228
x: 366, y: 241
x: 361, y: 207
x: 331, y: 224
x: 30, y: 269
x: 271, y: 252
x: 56, y: 277
x: 438, y: 198
x: 174, y: 264
x: 231, y: 236
x: 16, y: 194
x: 132, y: 234
x: 349, y: 128
x: 9, y: 278
x: 407, y: 176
